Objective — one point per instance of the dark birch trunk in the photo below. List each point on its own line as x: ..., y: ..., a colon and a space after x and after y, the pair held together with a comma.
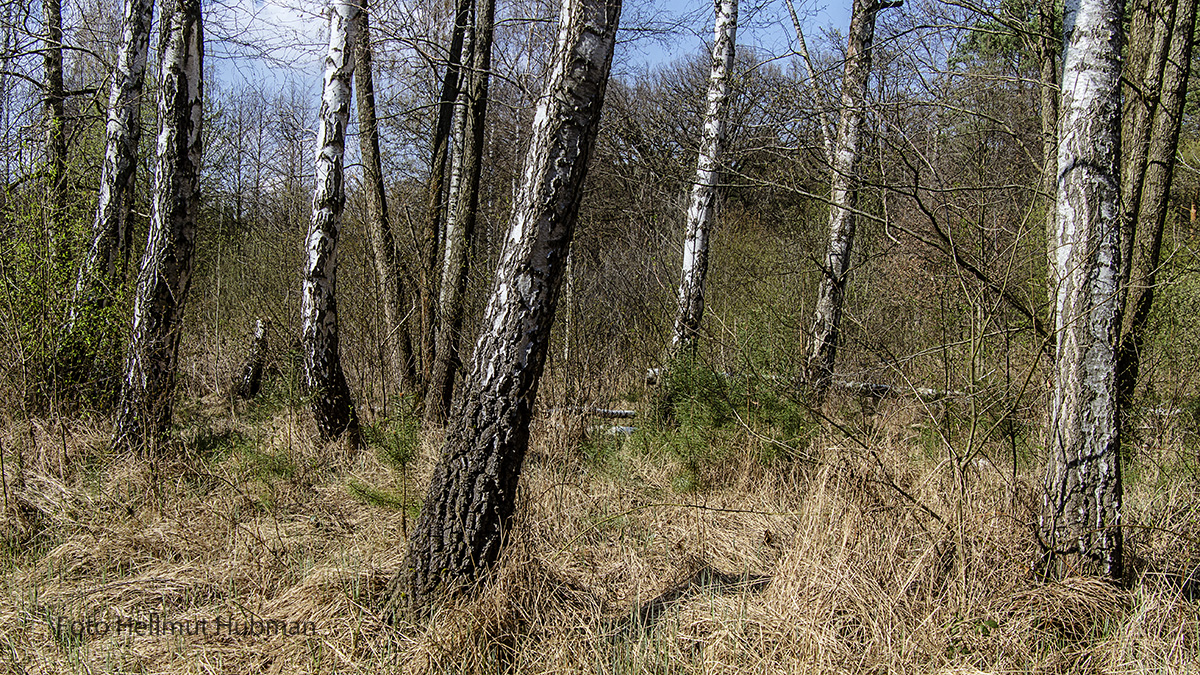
x: 1048, y: 49
x: 331, y: 403
x: 250, y: 381
x: 430, y: 270
x: 460, y: 230
x: 831, y: 293
x: 144, y: 411
x: 1081, y: 517
x: 704, y: 191
x: 467, y: 513
x: 56, y: 131
x: 1157, y: 69
x: 379, y: 228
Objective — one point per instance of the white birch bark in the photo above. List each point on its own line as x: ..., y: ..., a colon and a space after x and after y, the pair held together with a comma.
x: 108, y: 253
x: 332, y: 407
x: 704, y: 189
x: 843, y: 197
x: 467, y: 513
x: 144, y: 412
x: 813, y: 88
x: 1082, y: 508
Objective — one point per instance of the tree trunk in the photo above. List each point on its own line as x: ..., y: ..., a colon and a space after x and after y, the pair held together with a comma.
x: 1081, y: 517
x: 430, y: 270
x: 106, y: 262
x: 56, y: 135
x: 460, y: 230
x: 144, y: 412
x: 704, y: 190
x: 1159, y: 54
x: 814, y: 88
x: 469, y: 507
x: 1048, y: 48
x: 383, y: 246
x: 332, y: 407
x: 251, y: 379
x: 843, y: 196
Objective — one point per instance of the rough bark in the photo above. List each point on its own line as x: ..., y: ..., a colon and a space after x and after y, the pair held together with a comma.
x: 56, y: 125
x: 144, y: 411
x: 250, y: 381
x: 430, y: 271
x: 827, y: 316
x: 326, y: 383
x: 460, y: 229
x: 468, y: 510
x: 704, y: 190
x: 383, y: 246
x: 1081, y: 517
x: 1157, y: 71
x: 1048, y: 49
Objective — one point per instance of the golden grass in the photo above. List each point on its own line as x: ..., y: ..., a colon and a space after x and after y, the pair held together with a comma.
x: 768, y: 566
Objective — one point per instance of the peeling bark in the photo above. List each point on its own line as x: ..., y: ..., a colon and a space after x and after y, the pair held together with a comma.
x: 332, y: 407
x: 468, y: 511
x: 1081, y: 517
x: 464, y: 209
x: 704, y: 189
x: 843, y: 196
x: 144, y: 411
x: 379, y: 228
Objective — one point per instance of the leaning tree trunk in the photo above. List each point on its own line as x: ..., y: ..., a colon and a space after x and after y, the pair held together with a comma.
x: 467, y: 513
x: 1081, y: 517
x: 430, y: 271
x: 326, y: 383
x: 460, y: 226
x: 1159, y: 52
x: 383, y: 246
x: 843, y: 196
x: 104, y: 265
x: 56, y: 131
x: 814, y: 87
x: 704, y: 191
x: 144, y: 412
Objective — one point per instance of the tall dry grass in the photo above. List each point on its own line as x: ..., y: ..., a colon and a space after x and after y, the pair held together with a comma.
x: 758, y: 562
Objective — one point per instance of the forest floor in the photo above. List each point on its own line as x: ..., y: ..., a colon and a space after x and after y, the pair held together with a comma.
x: 865, y: 547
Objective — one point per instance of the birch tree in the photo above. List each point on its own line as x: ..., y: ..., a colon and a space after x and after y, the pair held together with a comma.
x: 843, y: 196
x: 326, y: 383
x: 704, y: 190
x: 462, y: 214
x: 144, y: 411
x: 1081, y: 516
x: 379, y: 228
x: 469, y: 507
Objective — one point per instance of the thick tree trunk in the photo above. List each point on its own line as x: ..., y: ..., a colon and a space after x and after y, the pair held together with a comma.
x: 1159, y: 54
x: 144, y: 412
x: 704, y: 190
x: 843, y: 196
x: 460, y: 229
x: 469, y: 507
x: 430, y: 270
x: 251, y: 378
x: 383, y: 245
x: 332, y: 407
x: 56, y: 131
x: 1081, y: 516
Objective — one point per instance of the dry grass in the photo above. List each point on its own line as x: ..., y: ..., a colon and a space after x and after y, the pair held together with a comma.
x: 765, y: 565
